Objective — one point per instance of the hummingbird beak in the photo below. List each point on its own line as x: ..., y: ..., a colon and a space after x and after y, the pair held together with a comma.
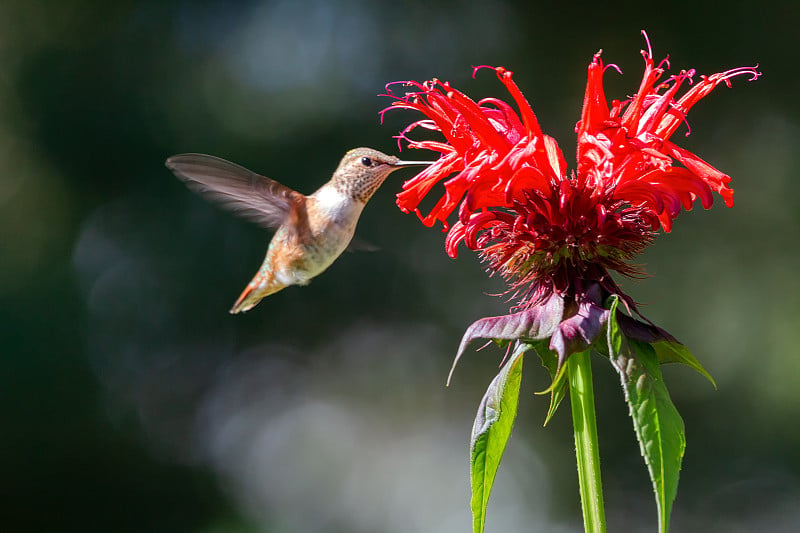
x: 410, y: 163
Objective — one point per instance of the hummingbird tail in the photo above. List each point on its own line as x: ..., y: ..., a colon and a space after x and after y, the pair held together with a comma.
x: 251, y: 295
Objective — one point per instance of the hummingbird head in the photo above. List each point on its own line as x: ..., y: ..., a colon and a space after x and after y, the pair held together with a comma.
x: 363, y: 170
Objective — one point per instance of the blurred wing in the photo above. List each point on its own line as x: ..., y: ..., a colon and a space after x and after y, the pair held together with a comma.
x: 250, y: 195
x: 360, y: 245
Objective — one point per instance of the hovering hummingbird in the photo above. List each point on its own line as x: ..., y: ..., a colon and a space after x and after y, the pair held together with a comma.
x: 312, y: 231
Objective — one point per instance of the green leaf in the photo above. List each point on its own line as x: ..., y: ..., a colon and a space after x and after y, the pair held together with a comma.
x: 675, y: 352
x: 658, y: 426
x: 558, y: 386
x: 491, y: 431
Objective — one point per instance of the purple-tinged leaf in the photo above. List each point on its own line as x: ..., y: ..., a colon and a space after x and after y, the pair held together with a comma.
x: 538, y: 322
x: 577, y: 333
x: 640, y: 331
x: 668, y: 349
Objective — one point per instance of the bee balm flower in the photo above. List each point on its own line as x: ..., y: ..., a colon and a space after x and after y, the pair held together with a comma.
x: 551, y: 232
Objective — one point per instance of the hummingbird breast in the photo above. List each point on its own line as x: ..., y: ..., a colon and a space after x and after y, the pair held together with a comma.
x: 331, y: 220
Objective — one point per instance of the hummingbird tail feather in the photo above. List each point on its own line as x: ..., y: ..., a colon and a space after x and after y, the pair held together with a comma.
x: 251, y: 295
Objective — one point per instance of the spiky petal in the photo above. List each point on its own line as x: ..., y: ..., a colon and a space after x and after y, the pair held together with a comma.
x: 551, y: 233
x: 534, y: 223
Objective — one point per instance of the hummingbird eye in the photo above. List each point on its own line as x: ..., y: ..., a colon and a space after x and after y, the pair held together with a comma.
x: 366, y: 161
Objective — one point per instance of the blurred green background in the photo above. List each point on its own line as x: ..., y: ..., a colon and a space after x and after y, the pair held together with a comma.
x: 132, y: 401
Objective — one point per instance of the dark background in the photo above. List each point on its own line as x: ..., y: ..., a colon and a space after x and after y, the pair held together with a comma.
x: 132, y: 401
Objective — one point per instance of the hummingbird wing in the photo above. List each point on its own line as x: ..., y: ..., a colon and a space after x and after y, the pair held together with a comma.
x: 250, y: 195
x: 360, y: 245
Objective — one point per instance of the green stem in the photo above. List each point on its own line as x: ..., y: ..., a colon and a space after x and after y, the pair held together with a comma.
x: 587, y: 451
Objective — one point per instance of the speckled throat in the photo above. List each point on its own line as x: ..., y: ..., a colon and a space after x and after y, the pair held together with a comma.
x: 361, y: 184
x: 362, y: 171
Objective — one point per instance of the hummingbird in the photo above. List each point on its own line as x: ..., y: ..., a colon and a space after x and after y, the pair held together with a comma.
x: 311, y: 231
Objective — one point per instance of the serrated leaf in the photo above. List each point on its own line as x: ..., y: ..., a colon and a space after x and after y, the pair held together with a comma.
x: 490, y: 433
x: 558, y: 385
x: 658, y: 426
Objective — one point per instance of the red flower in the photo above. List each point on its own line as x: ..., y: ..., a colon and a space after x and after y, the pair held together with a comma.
x: 537, y: 225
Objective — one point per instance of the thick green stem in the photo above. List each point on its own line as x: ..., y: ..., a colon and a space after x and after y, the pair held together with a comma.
x: 587, y: 451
